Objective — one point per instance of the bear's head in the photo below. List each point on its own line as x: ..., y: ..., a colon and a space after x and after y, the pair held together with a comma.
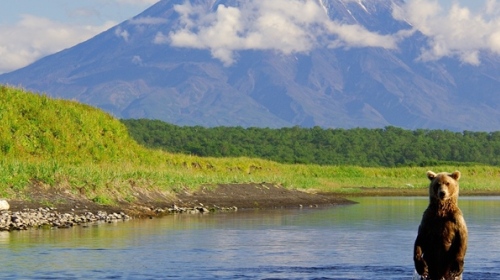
x: 444, y: 186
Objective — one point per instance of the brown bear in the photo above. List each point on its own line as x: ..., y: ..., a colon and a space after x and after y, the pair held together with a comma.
x: 441, y: 242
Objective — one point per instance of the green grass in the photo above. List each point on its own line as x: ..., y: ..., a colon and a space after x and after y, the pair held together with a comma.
x: 78, y: 148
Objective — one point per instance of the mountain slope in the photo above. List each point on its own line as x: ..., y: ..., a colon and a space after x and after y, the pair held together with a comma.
x: 129, y: 72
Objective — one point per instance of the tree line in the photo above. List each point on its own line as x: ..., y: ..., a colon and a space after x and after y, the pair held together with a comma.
x: 385, y: 147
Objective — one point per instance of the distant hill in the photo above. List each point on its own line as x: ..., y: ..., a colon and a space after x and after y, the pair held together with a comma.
x: 132, y: 71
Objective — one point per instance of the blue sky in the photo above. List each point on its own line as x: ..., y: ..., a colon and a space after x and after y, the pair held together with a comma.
x: 92, y: 12
x: 31, y: 29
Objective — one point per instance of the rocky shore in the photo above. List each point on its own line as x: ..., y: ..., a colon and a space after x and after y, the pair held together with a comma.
x: 50, y: 218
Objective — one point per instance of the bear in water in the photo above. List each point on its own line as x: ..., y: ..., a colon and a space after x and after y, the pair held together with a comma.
x: 441, y: 242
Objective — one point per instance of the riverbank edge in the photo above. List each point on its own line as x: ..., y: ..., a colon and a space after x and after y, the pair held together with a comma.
x: 67, y: 210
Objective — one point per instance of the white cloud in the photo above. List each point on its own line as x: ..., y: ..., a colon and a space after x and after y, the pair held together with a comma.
x: 34, y: 37
x: 147, y: 20
x: 137, y: 60
x: 457, y: 32
x: 357, y: 36
x: 287, y: 26
x: 121, y: 33
x: 161, y: 38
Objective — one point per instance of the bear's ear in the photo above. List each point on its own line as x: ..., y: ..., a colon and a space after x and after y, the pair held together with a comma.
x: 455, y: 175
x: 431, y: 175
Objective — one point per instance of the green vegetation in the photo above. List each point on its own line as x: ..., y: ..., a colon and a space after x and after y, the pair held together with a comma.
x: 71, y: 147
x: 389, y: 147
x: 37, y: 127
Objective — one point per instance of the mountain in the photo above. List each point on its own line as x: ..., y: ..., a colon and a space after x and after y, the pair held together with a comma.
x: 135, y: 70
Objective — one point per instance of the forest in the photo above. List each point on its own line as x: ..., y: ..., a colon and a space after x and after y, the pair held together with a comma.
x: 383, y: 147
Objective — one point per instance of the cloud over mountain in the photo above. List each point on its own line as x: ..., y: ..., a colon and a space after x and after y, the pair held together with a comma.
x: 287, y: 26
x: 304, y: 25
x: 457, y: 32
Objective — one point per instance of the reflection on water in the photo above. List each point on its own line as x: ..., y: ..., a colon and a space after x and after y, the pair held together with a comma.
x: 369, y: 240
x: 4, y: 237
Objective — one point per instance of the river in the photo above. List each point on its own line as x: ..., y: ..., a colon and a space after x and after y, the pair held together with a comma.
x: 369, y: 240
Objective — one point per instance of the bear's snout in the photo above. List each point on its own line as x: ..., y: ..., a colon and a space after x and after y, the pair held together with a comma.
x: 441, y: 192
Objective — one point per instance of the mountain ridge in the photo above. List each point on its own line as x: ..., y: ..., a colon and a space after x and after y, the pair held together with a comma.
x: 132, y: 71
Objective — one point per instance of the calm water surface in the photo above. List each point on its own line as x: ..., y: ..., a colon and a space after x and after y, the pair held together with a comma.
x: 369, y: 240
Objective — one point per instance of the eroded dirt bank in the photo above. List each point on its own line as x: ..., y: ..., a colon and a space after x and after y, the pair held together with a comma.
x: 146, y: 203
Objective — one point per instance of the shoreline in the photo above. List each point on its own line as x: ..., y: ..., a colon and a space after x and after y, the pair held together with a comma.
x: 57, y: 208
x: 53, y: 209
x: 154, y: 203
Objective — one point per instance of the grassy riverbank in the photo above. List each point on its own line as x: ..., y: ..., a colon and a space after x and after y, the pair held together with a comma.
x: 74, y: 148
x: 105, y: 182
